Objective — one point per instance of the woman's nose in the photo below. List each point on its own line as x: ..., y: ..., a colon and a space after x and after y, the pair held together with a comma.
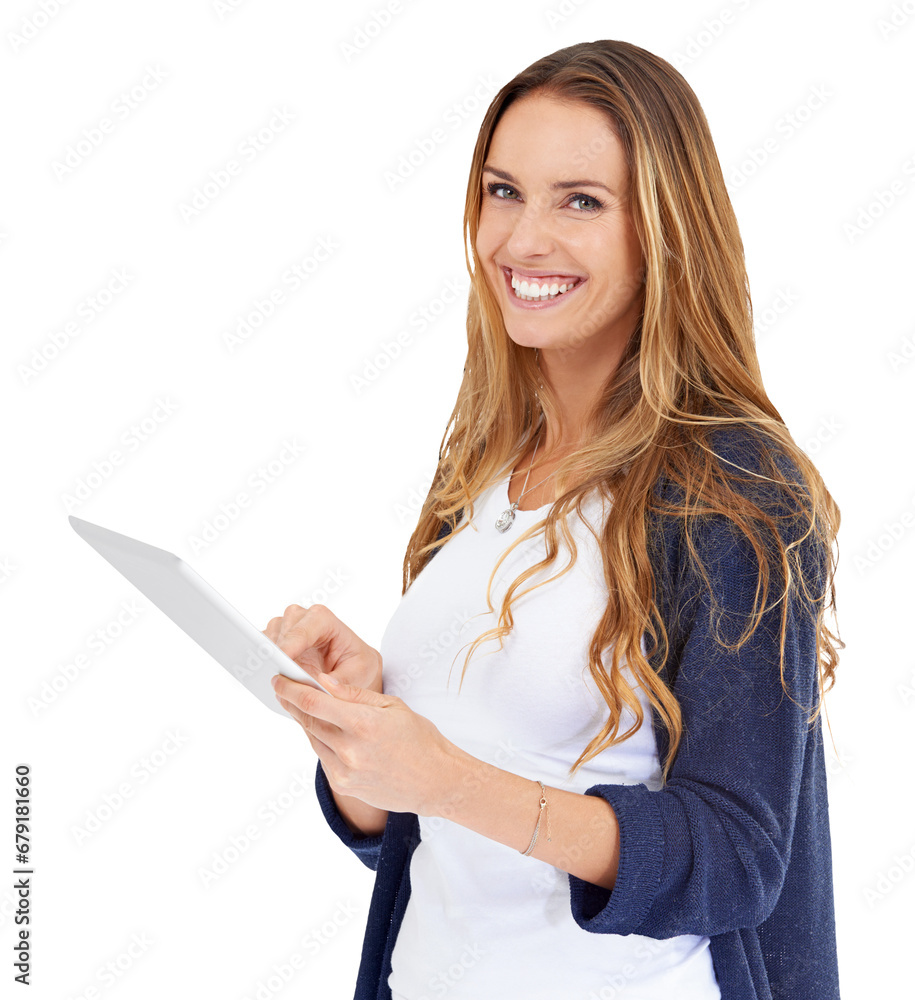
x: 531, y: 232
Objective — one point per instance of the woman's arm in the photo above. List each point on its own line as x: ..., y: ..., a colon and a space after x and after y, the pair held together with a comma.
x: 364, y: 820
x: 709, y: 852
x: 578, y: 833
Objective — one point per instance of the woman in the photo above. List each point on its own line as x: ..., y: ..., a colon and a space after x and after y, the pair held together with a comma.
x: 654, y: 825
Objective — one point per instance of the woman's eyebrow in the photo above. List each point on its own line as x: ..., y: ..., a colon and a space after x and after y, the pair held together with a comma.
x: 556, y: 185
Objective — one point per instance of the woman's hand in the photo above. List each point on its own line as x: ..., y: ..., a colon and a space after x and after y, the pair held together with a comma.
x: 372, y: 745
x: 321, y: 644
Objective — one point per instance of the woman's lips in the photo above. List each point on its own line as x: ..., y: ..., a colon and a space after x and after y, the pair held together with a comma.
x: 546, y: 303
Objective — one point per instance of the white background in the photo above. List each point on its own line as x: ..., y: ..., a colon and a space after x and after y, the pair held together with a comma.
x: 826, y: 213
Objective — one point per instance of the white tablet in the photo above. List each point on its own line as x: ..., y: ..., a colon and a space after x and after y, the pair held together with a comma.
x: 194, y: 606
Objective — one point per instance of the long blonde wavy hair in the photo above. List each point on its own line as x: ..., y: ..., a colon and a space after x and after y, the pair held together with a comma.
x: 690, y: 367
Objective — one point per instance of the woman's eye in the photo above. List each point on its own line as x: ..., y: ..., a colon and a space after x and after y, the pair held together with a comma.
x: 591, y: 204
x: 595, y: 204
x: 492, y: 188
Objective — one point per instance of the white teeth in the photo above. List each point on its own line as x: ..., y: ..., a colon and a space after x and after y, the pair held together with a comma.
x: 532, y: 291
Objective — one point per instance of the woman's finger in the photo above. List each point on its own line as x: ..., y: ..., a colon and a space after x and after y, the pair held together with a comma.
x: 312, y: 659
x: 321, y: 749
x: 300, y: 694
x: 308, y: 631
x: 272, y: 630
x: 314, y: 728
x: 294, y: 711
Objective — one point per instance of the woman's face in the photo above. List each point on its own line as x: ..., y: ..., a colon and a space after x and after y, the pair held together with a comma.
x: 553, y: 213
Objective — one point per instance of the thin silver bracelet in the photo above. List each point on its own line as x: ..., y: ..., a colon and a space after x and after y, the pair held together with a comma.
x: 543, y: 805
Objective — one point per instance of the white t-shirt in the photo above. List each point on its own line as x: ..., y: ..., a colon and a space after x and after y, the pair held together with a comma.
x: 483, y: 921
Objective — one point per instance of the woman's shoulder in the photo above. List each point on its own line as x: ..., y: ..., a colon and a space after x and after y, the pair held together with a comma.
x: 749, y: 448
x: 756, y: 466
x: 754, y: 501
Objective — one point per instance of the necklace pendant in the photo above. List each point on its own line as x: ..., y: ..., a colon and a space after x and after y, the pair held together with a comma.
x: 506, y: 518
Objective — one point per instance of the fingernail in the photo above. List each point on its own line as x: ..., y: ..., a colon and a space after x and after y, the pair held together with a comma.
x: 274, y: 679
x: 333, y: 680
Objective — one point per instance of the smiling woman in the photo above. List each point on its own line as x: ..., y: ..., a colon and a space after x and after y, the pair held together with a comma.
x: 626, y: 794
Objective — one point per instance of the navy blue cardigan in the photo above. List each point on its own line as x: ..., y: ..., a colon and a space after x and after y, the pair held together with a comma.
x: 736, y: 845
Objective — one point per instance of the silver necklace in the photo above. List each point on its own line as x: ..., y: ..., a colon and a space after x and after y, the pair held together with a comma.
x: 507, y: 517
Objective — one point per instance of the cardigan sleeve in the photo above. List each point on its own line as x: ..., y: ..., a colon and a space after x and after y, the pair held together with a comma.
x: 708, y: 852
x: 367, y: 849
